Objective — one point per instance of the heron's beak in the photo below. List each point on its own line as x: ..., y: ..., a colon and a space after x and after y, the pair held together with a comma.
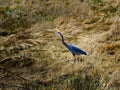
x: 55, y: 32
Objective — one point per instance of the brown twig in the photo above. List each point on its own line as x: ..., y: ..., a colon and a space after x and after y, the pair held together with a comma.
x: 13, y: 74
x: 3, y: 86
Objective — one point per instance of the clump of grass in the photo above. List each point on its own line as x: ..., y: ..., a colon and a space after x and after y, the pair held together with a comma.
x: 86, y: 82
x: 96, y: 1
x: 14, y: 18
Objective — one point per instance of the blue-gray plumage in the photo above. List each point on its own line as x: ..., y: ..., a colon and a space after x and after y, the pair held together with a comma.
x: 72, y: 48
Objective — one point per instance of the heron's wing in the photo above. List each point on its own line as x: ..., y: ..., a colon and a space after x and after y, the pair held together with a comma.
x: 76, y: 50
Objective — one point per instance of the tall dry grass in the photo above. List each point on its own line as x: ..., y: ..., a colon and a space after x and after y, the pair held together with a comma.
x: 32, y: 57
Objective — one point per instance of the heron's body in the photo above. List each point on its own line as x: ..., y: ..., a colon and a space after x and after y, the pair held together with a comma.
x: 75, y: 50
x: 72, y: 48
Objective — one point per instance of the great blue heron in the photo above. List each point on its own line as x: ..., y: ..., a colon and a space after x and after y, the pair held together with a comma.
x: 72, y: 48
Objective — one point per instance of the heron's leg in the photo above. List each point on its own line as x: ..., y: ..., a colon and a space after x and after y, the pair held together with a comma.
x: 74, y: 57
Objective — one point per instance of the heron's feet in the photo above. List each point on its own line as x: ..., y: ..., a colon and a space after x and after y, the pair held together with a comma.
x: 76, y: 60
x: 71, y: 60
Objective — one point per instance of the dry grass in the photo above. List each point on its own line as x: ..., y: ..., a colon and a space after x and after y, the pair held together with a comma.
x: 33, y: 57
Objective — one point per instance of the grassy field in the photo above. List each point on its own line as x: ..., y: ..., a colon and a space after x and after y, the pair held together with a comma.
x: 32, y: 57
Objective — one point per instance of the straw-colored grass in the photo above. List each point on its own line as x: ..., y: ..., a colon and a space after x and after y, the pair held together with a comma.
x: 33, y: 57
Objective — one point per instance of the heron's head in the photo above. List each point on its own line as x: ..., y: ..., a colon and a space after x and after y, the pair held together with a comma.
x: 58, y: 33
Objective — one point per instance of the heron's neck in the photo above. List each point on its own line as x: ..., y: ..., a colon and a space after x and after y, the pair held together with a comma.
x: 63, y: 40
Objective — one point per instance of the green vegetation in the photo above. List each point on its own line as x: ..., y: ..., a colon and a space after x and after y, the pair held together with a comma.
x: 32, y: 57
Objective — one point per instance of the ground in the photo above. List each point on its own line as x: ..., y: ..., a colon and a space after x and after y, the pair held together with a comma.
x: 34, y: 58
